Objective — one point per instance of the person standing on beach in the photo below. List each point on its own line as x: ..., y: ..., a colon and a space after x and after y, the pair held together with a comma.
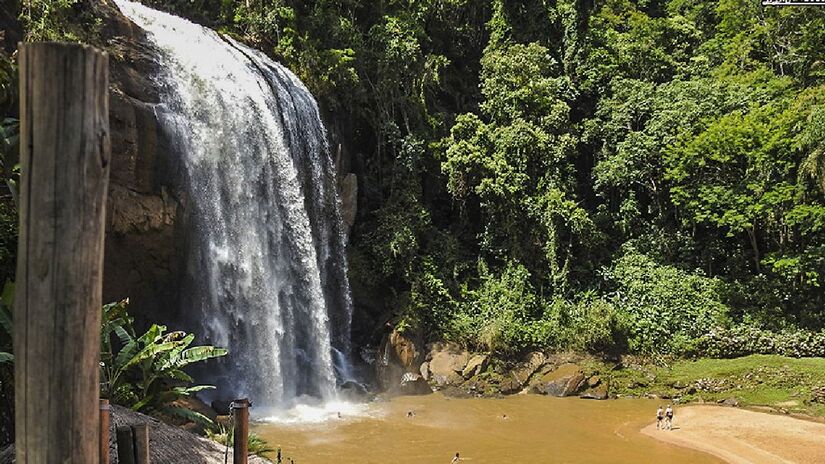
x: 669, y: 417
x: 660, y: 416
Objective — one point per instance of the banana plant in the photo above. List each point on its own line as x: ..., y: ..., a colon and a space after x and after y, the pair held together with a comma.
x: 147, y: 372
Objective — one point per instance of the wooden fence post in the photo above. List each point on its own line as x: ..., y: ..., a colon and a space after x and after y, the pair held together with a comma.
x: 125, y: 445
x: 240, y: 440
x: 104, y: 431
x: 140, y: 432
x: 64, y: 156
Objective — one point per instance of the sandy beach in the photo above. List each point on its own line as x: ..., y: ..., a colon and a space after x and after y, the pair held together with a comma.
x: 745, y: 437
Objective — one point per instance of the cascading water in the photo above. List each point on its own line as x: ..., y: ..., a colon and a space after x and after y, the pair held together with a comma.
x: 266, y: 267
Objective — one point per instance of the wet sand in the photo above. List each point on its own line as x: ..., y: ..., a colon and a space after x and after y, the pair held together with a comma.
x: 745, y: 437
x: 537, y: 430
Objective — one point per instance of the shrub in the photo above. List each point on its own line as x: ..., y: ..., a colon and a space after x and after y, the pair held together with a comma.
x: 743, y: 340
x: 664, y: 307
x: 255, y: 444
x: 589, y: 324
x: 503, y: 314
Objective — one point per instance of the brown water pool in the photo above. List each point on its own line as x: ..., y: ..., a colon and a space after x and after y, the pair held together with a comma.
x: 537, y: 429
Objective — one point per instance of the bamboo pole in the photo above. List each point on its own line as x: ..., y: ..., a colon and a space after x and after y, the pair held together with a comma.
x: 64, y: 156
x: 240, y: 440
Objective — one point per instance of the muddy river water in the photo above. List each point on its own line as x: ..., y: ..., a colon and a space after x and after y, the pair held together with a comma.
x: 522, y: 429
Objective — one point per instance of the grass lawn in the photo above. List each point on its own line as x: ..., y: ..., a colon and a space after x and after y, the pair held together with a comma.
x: 759, y: 380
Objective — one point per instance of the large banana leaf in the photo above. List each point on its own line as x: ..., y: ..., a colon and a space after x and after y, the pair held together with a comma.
x: 188, y: 414
x: 169, y: 360
x: 149, y: 352
x: 200, y: 353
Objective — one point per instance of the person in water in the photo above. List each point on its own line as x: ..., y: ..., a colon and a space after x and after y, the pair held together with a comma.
x: 669, y: 417
x: 455, y: 459
x: 410, y: 413
x: 660, y: 416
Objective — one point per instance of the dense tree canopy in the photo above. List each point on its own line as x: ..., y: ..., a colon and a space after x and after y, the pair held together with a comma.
x: 568, y: 173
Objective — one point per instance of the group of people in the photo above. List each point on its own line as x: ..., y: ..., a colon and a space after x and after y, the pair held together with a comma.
x: 664, y: 418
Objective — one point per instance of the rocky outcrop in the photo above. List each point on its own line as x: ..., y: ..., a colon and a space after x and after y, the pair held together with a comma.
x: 566, y: 380
x: 144, y: 238
x: 475, y: 365
x: 348, y: 190
x: 398, y: 355
x: 597, y: 389
x: 522, y: 372
x: 446, y: 364
x: 414, y: 384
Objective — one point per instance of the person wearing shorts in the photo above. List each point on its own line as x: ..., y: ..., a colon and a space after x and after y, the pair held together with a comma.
x: 669, y: 417
x: 660, y: 416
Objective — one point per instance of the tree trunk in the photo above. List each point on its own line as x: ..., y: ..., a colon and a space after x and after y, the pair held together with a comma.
x: 64, y: 155
x: 755, y: 247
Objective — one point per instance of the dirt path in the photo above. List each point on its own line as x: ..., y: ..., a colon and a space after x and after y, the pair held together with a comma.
x: 745, y: 437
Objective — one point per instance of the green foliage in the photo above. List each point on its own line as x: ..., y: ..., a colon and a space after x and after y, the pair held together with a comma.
x: 665, y: 308
x: 633, y: 175
x: 786, y: 384
x: 58, y: 20
x: 744, y: 340
x: 6, y: 323
x: 255, y: 444
x: 502, y: 314
x: 590, y: 324
x: 147, y: 372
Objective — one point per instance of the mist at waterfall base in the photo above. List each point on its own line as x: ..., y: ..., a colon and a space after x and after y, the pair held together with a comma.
x: 266, y: 270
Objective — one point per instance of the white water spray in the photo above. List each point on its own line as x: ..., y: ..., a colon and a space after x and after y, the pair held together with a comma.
x: 266, y: 267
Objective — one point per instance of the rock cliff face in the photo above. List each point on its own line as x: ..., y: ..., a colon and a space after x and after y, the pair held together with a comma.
x: 145, y: 206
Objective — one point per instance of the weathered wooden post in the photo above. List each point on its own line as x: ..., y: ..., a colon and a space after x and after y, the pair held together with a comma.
x: 104, y: 432
x: 240, y: 440
x: 140, y: 432
x: 64, y: 156
x: 125, y: 445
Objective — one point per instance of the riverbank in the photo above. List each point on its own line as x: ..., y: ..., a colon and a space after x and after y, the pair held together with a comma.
x: 779, y: 384
x: 745, y: 437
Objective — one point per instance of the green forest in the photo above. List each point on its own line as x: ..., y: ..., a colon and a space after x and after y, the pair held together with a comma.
x: 608, y: 176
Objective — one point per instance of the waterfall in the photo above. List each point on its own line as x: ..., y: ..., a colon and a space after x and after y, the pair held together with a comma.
x: 266, y: 272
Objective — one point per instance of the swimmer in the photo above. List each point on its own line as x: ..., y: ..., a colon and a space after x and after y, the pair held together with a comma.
x: 455, y: 459
x: 410, y: 413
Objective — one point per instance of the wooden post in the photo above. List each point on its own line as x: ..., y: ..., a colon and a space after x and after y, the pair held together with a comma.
x: 125, y: 445
x: 104, y: 431
x: 240, y: 448
x: 140, y: 432
x: 64, y: 156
